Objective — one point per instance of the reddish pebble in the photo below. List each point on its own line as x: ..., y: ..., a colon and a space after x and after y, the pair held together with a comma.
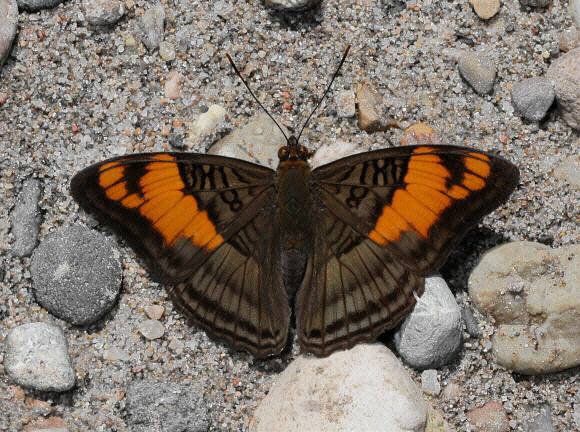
x: 489, y: 418
x: 420, y: 133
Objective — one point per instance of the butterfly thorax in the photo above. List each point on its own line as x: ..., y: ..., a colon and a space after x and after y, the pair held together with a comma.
x: 294, y: 212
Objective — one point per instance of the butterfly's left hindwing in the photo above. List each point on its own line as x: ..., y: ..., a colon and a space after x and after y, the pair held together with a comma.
x: 207, y: 224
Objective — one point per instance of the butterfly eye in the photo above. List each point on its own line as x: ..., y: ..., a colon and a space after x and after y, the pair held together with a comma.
x: 304, y: 153
x: 283, y: 153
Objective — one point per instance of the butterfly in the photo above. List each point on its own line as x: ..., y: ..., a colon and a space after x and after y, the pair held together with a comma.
x: 342, y: 248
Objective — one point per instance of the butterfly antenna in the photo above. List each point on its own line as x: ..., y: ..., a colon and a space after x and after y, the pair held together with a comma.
x: 253, y: 95
x: 324, y: 95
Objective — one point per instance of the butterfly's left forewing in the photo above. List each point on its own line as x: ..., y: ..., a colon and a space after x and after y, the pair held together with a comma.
x: 174, y: 209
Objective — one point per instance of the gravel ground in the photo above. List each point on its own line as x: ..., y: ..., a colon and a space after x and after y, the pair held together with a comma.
x: 77, y: 93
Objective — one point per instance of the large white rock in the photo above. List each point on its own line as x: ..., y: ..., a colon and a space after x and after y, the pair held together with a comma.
x: 533, y: 293
x: 365, y: 388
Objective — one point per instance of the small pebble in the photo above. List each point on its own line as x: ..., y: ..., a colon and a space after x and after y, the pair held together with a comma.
x: 369, y: 118
x: 346, y: 104
x: 478, y: 71
x: 485, y: 9
x: 167, y: 51
x: 173, y: 86
x: 420, y: 133
x: 539, y: 418
x: 151, y: 26
x: 37, y: 357
x: 569, y: 39
x: 331, y: 151
x: 471, y: 324
x: 25, y: 218
x: 36, y: 5
x: 165, y: 406
x: 103, y: 12
x: 452, y: 391
x: 206, y: 123
x: 76, y: 274
x: 292, y: 5
x: 430, y: 383
x: 533, y: 97
x: 490, y: 418
x: 8, y: 27
x: 114, y: 354
x: 535, y: 3
x: 569, y: 171
x: 50, y: 424
x: 151, y: 329
x: 155, y: 311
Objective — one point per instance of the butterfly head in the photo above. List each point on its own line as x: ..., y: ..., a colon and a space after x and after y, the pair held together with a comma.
x: 293, y: 151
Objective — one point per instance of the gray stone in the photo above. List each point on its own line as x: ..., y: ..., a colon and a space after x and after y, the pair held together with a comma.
x: 292, y: 5
x: 478, y: 71
x: 37, y: 357
x: 535, y: 3
x: 471, y: 324
x: 362, y: 389
x: 431, y: 335
x: 565, y: 74
x: 152, y: 26
x: 25, y: 218
x: 533, y: 294
x: 430, y: 382
x: 165, y: 406
x: 76, y: 274
x: 533, y: 97
x: 103, y: 12
x: 36, y: 5
x: 8, y: 27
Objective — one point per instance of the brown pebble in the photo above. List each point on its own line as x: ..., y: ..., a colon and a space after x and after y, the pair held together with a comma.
x: 173, y: 86
x: 485, y: 9
x: 18, y: 392
x: 52, y: 424
x: 369, y: 119
x: 420, y: 133
x: 155, y: 311
x: 489, y: 418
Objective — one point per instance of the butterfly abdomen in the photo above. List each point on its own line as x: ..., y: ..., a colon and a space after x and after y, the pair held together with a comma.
x: 295, y: 220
